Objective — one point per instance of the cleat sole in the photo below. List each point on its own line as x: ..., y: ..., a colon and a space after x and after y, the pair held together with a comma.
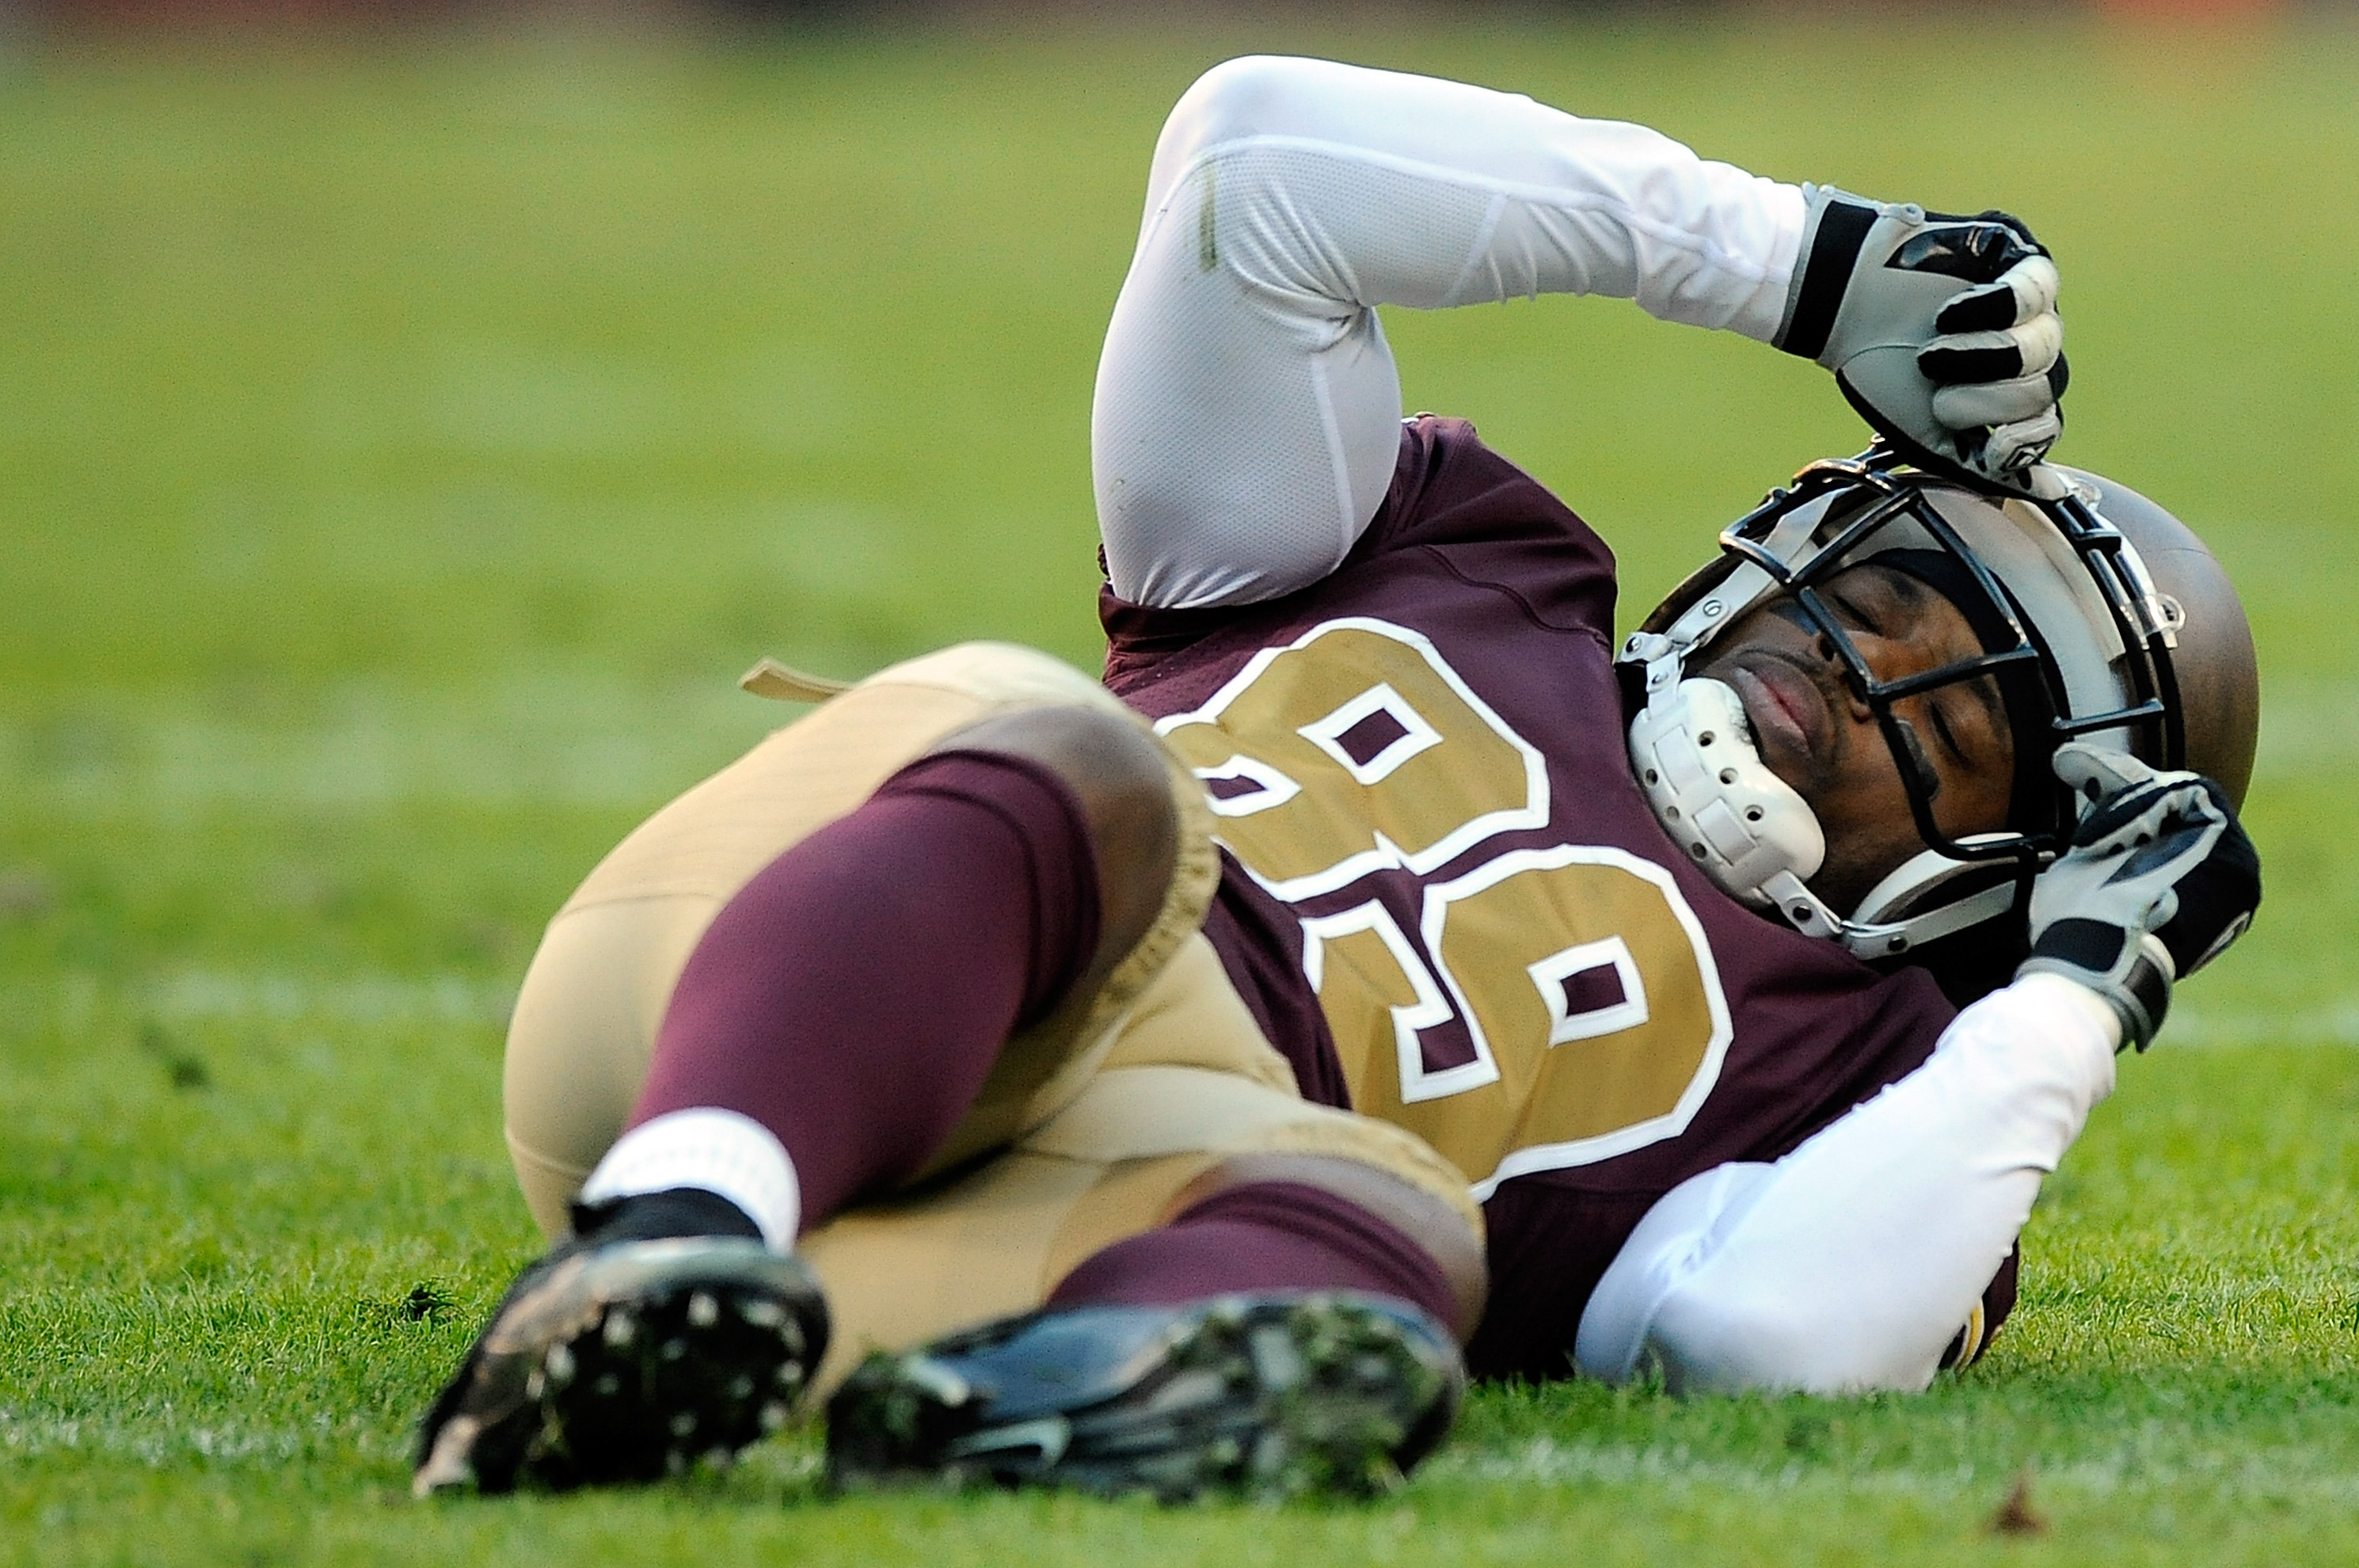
x: 1277, y: 1395
x: 651, y: 1356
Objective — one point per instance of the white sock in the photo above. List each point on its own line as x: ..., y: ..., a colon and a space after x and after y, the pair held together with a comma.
x: 714, y: 1150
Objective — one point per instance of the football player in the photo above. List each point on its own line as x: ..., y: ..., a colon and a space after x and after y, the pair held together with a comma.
x: 1102, y: 1092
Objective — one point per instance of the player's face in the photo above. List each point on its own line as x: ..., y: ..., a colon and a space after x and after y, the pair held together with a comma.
x: 1817, y: 734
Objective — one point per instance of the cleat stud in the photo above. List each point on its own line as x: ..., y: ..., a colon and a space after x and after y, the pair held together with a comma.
x: 620, y: 1329
x: 559, y: 1364
x: 703, y: 1310
x: 683, y: 1423
x: 741, y: 1386
x: 607, y: 1385
x: 943, y: 1385
x: 535, y: 1384
x: 760, y: 1311
x: 673, y: 1349
x: 774, y: 1416
x: 788, y: 1376
x: 1276, y: 1359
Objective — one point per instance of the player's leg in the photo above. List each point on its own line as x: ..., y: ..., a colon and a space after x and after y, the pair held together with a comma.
x: 584, y: 1030
x: 727, y: 1142
x: 1229, y: 1287
x: 835, y: 1023
x: 1281, y: 1331
x: 1292, y: 1220
x: 1248, y: 409
x: 851, y: 1002
x: 891, y: 977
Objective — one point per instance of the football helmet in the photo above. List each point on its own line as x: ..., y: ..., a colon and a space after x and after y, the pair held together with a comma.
x: 2101, y: 618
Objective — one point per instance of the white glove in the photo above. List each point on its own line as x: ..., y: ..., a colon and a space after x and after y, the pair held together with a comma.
x: 1960, y: 380
x: 2160, y: 878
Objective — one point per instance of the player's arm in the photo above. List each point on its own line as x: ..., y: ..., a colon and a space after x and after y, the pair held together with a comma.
x: 1247, y: 408
x: 1247, y: 415
x: 1852, y: 1263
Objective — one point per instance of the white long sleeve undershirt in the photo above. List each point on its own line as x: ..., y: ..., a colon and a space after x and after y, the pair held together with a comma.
x: 1852, y: 1263
x: 1248, y: 411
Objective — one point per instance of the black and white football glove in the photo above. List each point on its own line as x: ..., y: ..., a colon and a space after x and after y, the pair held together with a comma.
x: 1941, y: 331
x: 2160, y: 878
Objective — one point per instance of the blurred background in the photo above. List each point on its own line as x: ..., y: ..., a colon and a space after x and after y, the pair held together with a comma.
x: 142, y: 13
x: 414, y: 417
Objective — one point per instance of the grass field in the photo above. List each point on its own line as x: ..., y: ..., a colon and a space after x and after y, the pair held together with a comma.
x: 403, y: 445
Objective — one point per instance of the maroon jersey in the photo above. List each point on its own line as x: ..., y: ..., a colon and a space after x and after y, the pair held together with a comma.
x: 1448, y: 905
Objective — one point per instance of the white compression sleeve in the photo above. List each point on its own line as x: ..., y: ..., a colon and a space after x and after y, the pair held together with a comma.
x: 1247, y: 413
x: 1852, y: 1263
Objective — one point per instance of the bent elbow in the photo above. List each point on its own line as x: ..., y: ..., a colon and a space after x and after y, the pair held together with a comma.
x: 1255, y: 94
x: 1748, y: 1341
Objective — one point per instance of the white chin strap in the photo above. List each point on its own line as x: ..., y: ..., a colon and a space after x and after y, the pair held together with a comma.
x: 1692, y: 751
x: 1745, y: 827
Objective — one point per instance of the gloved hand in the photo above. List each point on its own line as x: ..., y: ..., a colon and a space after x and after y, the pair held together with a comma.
x: 2160, y: 878
x: 1941, y: 331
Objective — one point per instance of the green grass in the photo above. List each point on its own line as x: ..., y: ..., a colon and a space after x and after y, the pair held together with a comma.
x: 403, y: 445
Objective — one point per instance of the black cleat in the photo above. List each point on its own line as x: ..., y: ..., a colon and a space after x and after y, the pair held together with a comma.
x: 626, y: 1361
x: 1276, y: 1393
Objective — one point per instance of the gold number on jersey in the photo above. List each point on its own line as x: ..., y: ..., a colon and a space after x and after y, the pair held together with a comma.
x: 1583, y: 980
x: 1353, y: 750
x: 1585, y: 984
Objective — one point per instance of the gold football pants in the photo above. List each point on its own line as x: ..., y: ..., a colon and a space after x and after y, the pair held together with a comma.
x: 1090, y: 1124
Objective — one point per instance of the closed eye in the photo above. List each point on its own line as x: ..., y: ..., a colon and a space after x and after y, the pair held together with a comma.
x: 1944, y: 736
x: 1851, y: 614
